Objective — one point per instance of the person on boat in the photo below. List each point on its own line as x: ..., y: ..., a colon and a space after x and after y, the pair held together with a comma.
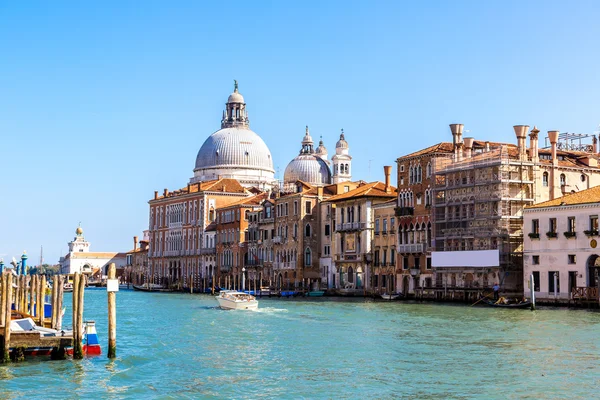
x: 496, y: 288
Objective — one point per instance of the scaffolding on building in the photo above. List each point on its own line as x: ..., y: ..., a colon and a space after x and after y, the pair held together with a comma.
x: 479, y: 200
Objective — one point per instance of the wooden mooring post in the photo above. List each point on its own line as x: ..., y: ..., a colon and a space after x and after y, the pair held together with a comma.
x: 77, y: 316
x: 112, y: 313
x: 6, y: 311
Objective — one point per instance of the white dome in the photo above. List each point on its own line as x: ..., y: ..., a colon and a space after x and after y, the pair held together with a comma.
x: 307, y: 168
x: 235, y: 97
x: 235, y: 148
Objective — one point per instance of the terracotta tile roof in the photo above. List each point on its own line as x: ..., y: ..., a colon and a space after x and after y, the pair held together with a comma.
x: 442, y: 147
x: 373, y: 189
x: 248, y: 201
x: 226, y: 185
x: 211, y: 227
x: 591, y: 195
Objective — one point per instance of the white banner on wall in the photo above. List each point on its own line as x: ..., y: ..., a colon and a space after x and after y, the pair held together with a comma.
x: 467, y: 258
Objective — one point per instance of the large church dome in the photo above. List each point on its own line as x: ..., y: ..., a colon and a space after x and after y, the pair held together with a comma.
x: 307, y: 166
x: 234, y: 147
x: 235, y: 151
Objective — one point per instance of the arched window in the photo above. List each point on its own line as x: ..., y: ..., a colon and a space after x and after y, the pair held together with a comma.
x: 545, y: 179
x: 307, y: 230
x: 295, y: 230
x: 410, y: 175
x: 350, y: 275
x: 307, y: 257
x: 563, y: 180
x: 429, y: 169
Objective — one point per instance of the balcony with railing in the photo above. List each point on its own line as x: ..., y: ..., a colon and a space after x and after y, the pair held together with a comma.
x: 254, y: 262
x: 352, y: 226
x: 277, y: 239
x: 410, y: 248
x: 208, y: 250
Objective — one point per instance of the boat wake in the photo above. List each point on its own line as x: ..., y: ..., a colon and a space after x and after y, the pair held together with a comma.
x: 270, y: 310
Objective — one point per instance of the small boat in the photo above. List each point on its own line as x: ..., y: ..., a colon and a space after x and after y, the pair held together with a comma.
x: 234, y: 300
x: 152, y: 287
x: 22, y: 325
x: 315, y: 293
x: 506, y: 303
x: 67, y: 287
x: 390, y: 296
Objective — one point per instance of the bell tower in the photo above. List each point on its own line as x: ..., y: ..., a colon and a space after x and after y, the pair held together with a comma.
x: 342, y: 161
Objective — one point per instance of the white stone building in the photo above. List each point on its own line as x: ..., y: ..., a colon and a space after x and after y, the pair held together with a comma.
x: 81, y: 259
x: 560, y: 244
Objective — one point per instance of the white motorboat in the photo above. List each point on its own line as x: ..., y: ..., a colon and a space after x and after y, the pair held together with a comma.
x: 234, y: 300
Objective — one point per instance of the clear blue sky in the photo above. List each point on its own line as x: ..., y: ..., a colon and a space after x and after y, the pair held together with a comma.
x: 101, y: 103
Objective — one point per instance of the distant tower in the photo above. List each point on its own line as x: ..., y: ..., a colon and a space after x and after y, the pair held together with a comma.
x: 342, y: 161
x: 79, y: 244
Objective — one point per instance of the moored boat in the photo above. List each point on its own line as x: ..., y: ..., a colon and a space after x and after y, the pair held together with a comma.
x: 234, y: 300
x: 390, y: 296
x: 152, y: 287
x: 315, y: 293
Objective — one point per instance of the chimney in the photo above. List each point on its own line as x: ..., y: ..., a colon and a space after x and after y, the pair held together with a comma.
x: 457, y: 130
x: 594, y: 144
x: 487, y: 146
x: 189, y: 185
x: 468, y: 147
x: 387, y: 170
x: 553, y: 137
x: 155, y: 194
x: 533, y: 144
x: 166, y: 192
x: 135, y: 242
x: 521, y: 132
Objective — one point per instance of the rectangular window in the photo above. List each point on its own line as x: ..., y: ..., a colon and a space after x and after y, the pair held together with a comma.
x: 572, y: 259
x: 428, y: 263
x: 308, y: 207
x: 594, y: 223
x: 535, y: 226
x: 377, y: 227
x: 536, y: 281
x: 385, y: 225
x: 286, y: 209
x: 571, y: 224
x: 392, y: 224
x: 327, y: 230
x: 552, y: 275
x: 535, y: 260
x: 295, y: 208
x: 552, y: 224
x: 417, y: 262
x: 377, y: 258
x: 393, y: 257
x: 405, y: 263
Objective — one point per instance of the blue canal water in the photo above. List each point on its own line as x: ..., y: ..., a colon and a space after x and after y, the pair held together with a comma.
x: 183, y: 346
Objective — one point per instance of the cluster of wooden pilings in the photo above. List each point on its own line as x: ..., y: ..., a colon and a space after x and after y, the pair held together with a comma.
x: 24, y: 296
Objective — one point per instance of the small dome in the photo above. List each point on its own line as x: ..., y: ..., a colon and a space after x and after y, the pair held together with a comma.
x: 321, y: 150
x: 79, y: 231
x: 235, y: 97
x: 341, y: 144
x: 308, y: 168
